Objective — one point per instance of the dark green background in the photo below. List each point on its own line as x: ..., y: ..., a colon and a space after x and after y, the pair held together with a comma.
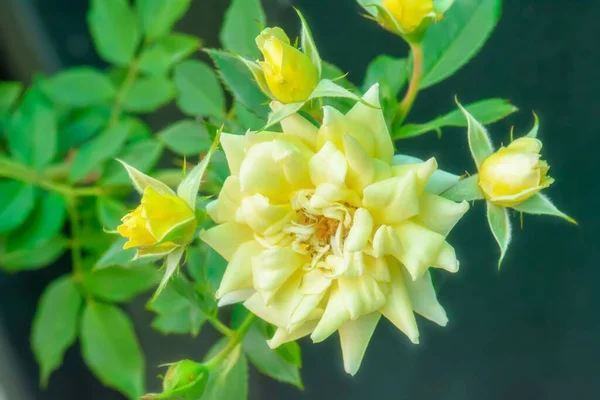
x: 530, y: 331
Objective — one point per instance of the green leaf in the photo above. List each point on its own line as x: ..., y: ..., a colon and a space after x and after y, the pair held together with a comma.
x: 247, y: 119
x: 143, y: 155
x: 466, y: 189
x: 176, y: 313
x: 149, y: 94
x: 390, y: 72
x: 116, y: 256
x: 438, y: 183
x: 335, y: 74
x: 541, y: 205
x: 168, y: 51
x: 229, y: 380
x: 485, y: 111
x: 242, y: 24
x: 93, y: 154
x: 16, y: 203
x: 185, y: 138
x: 198, y: 90
x: 138, y: 129
x: 110, y: 211
x: 500, y: 227
x: 31, y: 132
x: 9, y: 94
x: 291, y: 352
x: 79, y: 87
x: 239, y: 81
x: 55, y: 325
x: 307, y: 42
x: 81, y: 127
x: 268, y: 361
x: 118, y: 284
x: 159, y: 16
x: 452, y: 42
x: 114, y: 29
x: 111, y: 350
x: 480, y: 143
x: 30, y: 258
x: 44, y: 223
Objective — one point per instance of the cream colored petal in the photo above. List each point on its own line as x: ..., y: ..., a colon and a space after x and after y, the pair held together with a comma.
x: 236, y: 297
x: 361, y: 231
x: 238, y: 274
x: 297, y: 125
x: 314, y: 282
x: 332, y: 129
x: 334, y: 316
x: 262, y: 216
x: 526, y: 144
x: 393, y: 200
x: 235, y: 149
x: 386, y: 242
x: 421, y: 247
x: 354, y: 264
x: 422, y: 171
x: 225, y: 207
x: 274, y: 169
x: 447, y: 259
x: 283, y: 336
x: 328, y: 166
x: 361, y: 295
x: 374, y: 121
x: 307, y: 308
x: 279, y: 312
x: 398, y: 307
x: 378, y: 268
x: 227, y: 237
x: 354, y: 338
x: 361, y: 168
x: 326, y: 193
x: 424, y: 299
x: 273, y: 267
x: 440, y: 214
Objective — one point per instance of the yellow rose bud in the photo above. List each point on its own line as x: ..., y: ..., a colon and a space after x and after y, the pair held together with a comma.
x: 323, y: 234
x: 409, y: 14
x: 290, y: 74
x: 515, y: 173
x: 161, y: 223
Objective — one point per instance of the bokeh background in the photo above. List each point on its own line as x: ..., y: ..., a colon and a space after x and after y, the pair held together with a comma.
x: 530, y: 331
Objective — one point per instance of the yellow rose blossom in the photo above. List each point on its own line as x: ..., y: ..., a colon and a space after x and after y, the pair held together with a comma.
x: 324, y: 234
x: 409, y: 14
x: 515, y: 173
x: 290, y: 74
x: 160, y: 224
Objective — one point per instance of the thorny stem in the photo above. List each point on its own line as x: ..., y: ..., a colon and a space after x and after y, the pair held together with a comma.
x: 233, y: 342
x: 413, y: 87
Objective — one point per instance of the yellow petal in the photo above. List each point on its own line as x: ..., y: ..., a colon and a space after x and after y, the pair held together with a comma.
x: 273, y: 267
x: 297, y: 125
x: 424, y: 299
x: 334, y: 316
x: 354, y: 338
x: 328, y: 166
x: 332, y: 129
x: 361, y: 295
x: 134, y: 228
x: 378, y: 268
x: 421, y: 247
x: 439, y: 214
x: 363, y: 170
x: 386, y: 242
x: 262, y: 216
x: 238, y: 274
x: 447, y: 259
x: 360, y: 233
x: 283, y: 336
x: 307, y: 309
x: 398, y: 307
x: 362, y: 114
x: 526, y: 145
x: 235, y: 297
x: 234, y: 147
x: 422, y: 171
x: 227, y: 237
x: 225, y: 207
x: 166, y: 212
x: 393, y: 200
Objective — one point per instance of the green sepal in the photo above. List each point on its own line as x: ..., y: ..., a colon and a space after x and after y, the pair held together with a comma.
x: 499, y: 222
x: 466, y: 189
x: 480, y: 143
x: 541, y: 205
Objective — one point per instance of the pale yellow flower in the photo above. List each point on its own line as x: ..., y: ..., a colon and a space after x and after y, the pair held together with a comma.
x: 290, y: 74
x: 324, y: 234
x: 161, y: 223
x: 515, y: 173
x: 409, y: 14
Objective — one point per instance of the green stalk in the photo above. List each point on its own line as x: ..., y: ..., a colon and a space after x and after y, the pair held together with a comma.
x: 413, y: 88
x: 234, y: 340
